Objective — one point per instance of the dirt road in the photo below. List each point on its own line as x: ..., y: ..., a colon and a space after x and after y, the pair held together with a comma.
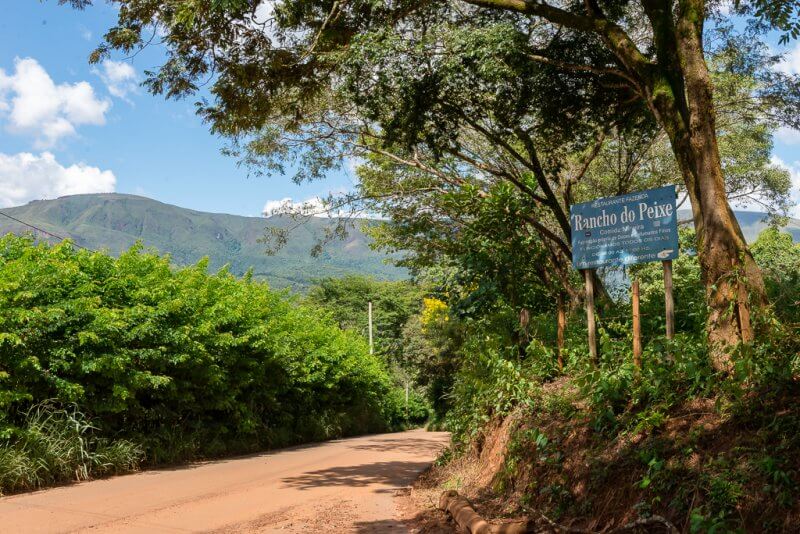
x: 339, y: 486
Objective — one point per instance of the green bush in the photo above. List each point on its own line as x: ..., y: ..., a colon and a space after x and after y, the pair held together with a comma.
x: 618, y: 396
x: 779, y: 258
x: 490, y: 383
x: 184, y: 362
x: 57, y: 445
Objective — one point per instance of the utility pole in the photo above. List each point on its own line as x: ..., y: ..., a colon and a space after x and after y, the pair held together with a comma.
x: 406, y: 398
x: 369, y: 309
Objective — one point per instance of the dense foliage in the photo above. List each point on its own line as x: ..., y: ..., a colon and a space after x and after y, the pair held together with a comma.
x: 394, y: 305
x: 712, y: 449
x: 181, y: 361
x: 475, y: 93
x: 671, y: 370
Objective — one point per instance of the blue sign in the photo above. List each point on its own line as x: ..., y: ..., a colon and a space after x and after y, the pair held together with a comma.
x: 624, y: 230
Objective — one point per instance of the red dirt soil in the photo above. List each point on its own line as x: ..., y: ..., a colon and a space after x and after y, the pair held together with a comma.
x: 347, y: 485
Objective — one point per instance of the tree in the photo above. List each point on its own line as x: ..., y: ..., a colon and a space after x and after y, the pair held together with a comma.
x: 393, y: 303
x: 745, y: 127
x: 432, y: 200
x: 675, y: 84
x: 281, y: 73
x: 481, y: 233
x: 779, y: 256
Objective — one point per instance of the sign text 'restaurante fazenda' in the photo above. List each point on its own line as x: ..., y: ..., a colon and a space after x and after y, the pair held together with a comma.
x: 634, y: 228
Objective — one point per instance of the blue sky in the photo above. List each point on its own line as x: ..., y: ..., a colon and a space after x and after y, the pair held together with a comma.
x: 68, y: 127
x: 91, y: 128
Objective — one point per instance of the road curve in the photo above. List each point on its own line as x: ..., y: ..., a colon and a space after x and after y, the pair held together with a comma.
x: 346, y: 485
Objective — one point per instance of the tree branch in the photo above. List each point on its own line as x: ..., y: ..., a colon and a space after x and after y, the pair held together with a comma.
x: 541, y: 178
x: 523, y: 187
x: 616, y: 39
x: 584, y: 68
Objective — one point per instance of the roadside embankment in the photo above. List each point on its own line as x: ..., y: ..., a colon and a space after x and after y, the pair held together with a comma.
x: 703, y: 466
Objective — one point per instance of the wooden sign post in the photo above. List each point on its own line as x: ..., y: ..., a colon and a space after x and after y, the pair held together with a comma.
x: 669, y: 302
x: 637, y: 328
x: 637, y: 227
x: 589, y: 280
x: 561, y: 326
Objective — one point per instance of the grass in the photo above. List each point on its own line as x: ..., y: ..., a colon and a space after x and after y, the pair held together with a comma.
x: 56, y: 445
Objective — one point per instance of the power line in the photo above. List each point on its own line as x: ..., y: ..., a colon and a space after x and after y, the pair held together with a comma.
x: 40, y: 230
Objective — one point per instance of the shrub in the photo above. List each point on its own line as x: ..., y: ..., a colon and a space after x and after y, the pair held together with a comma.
x: 184, y: 362
x: 489, y: 384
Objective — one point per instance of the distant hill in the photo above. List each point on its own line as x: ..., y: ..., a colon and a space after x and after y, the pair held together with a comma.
x: 114, y: 222
x: 753, y: 223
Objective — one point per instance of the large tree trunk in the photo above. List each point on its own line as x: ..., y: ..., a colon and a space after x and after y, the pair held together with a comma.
x: 729, y: 271
x: 678, y: 90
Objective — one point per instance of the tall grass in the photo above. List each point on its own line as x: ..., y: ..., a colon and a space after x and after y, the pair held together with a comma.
x: 56, y: 445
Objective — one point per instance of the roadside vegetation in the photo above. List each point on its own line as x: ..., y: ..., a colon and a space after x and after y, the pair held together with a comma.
x: 604, y: 445
x: 395, y: 305
x: 108, y: 364
x: 477, y: 125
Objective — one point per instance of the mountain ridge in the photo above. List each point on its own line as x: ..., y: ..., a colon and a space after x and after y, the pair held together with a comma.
x: 115, y: 221
x: 753, y: 223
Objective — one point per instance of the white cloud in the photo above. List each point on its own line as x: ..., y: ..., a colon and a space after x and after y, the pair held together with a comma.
x: 35, y: 105
x: 790, y: 64
x: 317, y: 206
x: 725, y: 7
x: 276, y: 206
x: 263, y: 15
x: 25, y: 177
x: 788, y: 136
x: 312, y: 206
x: 264, y: 11
x: 794, y: 172
x: 120, y: 78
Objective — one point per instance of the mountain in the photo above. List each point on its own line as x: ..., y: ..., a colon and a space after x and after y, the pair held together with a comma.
x: 114, y: 222
x: 753, y: 223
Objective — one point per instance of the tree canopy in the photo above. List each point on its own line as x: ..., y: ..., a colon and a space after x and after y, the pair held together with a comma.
x: 515, y: 90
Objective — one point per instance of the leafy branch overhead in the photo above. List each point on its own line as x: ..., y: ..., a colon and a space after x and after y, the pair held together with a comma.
x: 492, y: 90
